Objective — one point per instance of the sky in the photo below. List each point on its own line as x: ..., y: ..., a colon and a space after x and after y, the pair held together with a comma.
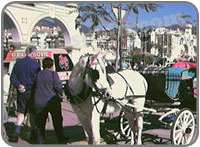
x: 165, y: 16
x: 169, y: 12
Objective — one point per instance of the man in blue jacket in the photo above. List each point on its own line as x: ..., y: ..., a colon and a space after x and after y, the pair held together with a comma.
x: 23, y: 77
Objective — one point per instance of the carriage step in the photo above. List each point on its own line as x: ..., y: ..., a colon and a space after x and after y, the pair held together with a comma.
x: 147, y: 123
x: 149, y: 109
x: 164, y: 104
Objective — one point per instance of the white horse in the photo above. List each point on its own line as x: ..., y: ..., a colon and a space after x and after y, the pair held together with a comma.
x: 89, y: 75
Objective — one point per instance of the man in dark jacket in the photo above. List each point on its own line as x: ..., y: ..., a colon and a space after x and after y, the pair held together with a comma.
x: 23, y: 77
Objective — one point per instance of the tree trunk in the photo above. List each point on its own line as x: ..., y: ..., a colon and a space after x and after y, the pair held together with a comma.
x: 118, y: 60
x: 136, y: 21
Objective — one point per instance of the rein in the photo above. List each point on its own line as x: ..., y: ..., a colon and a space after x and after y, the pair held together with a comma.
x: 110, y: 98
x: 135, y: 96
x: 86, y: 91
x: 127, y: 85
x: 99, y: 93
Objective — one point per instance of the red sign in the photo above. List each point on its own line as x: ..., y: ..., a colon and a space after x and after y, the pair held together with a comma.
x: 40, y: 54
x: 63, y: 62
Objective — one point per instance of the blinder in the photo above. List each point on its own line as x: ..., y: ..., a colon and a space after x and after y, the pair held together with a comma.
x: 94, y: 74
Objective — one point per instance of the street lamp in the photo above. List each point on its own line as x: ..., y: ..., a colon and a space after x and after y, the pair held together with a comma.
x: 165, y: 44
x: 48, y: 40
x: 144, y: 36
x: 77, y: 21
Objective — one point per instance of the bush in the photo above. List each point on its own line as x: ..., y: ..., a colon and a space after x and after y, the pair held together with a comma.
x: 137, y: 58
x: 148, y: 59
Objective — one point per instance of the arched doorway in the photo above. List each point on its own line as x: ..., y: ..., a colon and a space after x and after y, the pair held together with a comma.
x: 50, y: 33
x: 11, y: 32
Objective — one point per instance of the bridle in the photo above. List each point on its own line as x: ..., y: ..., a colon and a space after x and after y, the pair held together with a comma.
x: 89, y: 71
x: 100, y: 93
x: 86, y: 92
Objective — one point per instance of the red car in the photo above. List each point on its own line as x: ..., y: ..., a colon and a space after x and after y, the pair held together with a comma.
x: 185, y: 64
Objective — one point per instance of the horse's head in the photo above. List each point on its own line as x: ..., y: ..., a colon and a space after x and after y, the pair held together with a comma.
x: 84, y: 60
x: 95, y: 72
x: 90, y: 71
x: 76, y: 80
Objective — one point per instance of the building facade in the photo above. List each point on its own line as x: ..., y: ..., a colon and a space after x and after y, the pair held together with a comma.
x: 163, y: 42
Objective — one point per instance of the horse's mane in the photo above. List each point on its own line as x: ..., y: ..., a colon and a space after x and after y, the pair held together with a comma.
x: 76, y: 70
x: 78, y: 90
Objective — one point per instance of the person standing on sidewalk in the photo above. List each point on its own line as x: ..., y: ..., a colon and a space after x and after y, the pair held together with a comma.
x: 48, y: 98
x: 23, y: 77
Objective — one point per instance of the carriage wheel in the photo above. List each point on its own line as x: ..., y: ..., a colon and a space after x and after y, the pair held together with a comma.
x: 125, y: 130
x: 183, y: 127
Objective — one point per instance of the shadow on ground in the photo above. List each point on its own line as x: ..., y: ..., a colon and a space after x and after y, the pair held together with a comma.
x: 110, y: 133
x: 75, y: 133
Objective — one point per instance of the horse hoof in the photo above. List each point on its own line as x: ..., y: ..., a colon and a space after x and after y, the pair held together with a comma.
x: 82, y: 143
x: 102, y: 143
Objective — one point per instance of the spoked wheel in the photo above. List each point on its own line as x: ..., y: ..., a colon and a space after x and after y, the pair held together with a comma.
x: 125, y: 130
x: 183, y: 128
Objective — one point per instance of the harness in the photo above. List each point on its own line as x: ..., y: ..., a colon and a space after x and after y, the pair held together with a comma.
x: 101, y: 94
x: 85, y: 93
x: 109, y: 98
x: 128, y: 86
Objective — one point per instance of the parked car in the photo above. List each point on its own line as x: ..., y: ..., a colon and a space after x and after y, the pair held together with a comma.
x: 62, y: 62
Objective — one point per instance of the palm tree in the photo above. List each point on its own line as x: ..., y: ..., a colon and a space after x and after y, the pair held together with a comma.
x: 99, y: 13
x: 183, y: 17
x: 147, y: 7
x: 95, y: 13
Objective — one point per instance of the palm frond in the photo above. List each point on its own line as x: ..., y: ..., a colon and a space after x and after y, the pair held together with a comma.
x: 135, y: 10
x: 71, y: 6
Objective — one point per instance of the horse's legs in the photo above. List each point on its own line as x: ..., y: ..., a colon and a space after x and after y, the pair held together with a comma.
x: 135, y: 126
x: 86, y: 135
x: 139, y: 124
x: 130, y: 117
x: 95, y: 121
x: 83, y: 112
x: 139, y: 105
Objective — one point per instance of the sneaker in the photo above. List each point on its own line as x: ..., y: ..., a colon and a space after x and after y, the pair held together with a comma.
x: 14, y: 137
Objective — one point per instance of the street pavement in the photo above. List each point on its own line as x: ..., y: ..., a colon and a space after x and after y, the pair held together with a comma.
x: 110, y: 132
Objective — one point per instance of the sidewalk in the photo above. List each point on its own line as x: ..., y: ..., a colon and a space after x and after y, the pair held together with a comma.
x: 72, y: 129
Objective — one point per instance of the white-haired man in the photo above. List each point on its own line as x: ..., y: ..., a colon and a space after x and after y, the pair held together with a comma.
x: 23, y: 77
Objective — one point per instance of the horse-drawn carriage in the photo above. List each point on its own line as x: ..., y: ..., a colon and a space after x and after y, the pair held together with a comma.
x: 172, y: 94
x: 92, y: 91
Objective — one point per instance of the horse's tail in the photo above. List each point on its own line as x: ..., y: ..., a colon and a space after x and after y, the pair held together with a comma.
x: 145, y: 85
